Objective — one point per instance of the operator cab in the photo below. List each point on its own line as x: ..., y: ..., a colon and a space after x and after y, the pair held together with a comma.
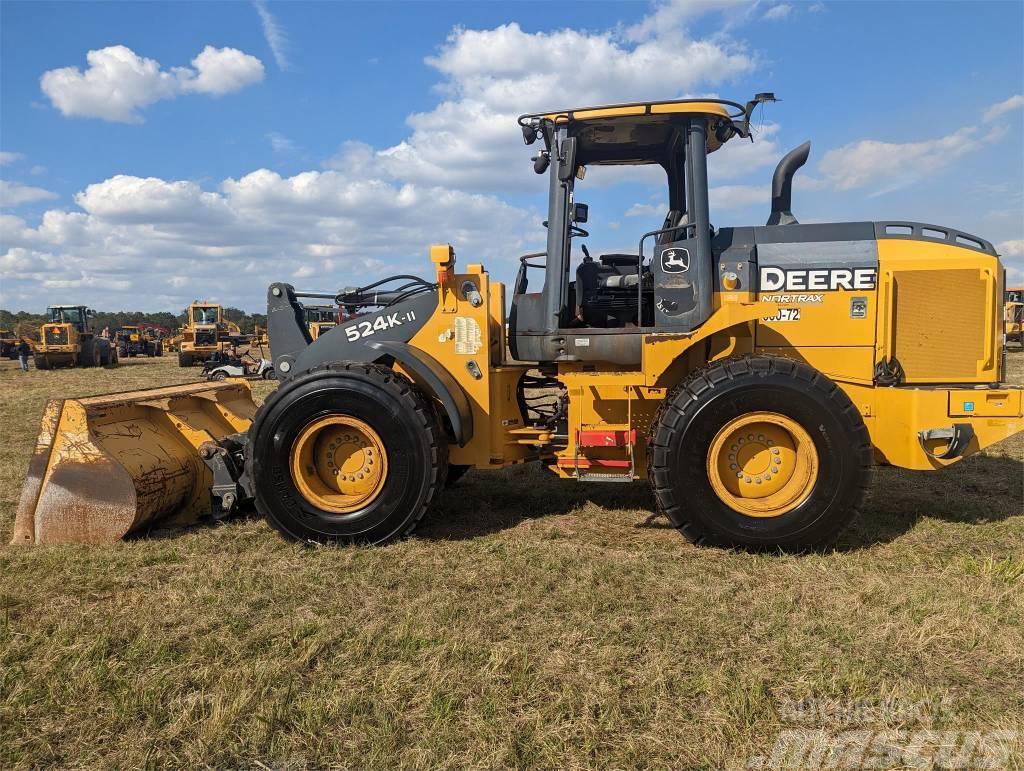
x: 75, y: 315
x: 205, y: 314
x: 600, y: 311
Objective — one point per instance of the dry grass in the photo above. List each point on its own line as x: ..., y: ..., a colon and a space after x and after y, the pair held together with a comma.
x: 530, y: 622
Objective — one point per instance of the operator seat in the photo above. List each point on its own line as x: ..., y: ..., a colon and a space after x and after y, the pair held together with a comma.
x: 672, y: 219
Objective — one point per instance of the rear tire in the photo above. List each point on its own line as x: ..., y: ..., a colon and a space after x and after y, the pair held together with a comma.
x: 405, y: 440
x: 218, y: 376
x: 693, y: 448
x: 184, y: 360
x: 41, y: 361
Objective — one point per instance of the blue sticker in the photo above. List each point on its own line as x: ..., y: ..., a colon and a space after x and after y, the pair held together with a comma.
x: 968, y: 406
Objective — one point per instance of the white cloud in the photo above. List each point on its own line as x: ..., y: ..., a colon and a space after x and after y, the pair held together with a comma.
x: 327, y: 228
x: 1001, y: 108
x: 280, y: 143
x: 220, y: 71
x: 276, y: 39
x: 1012, y: 248
x: 37, y: 170
x: 673, y: 14
x: 371, y: 211
x: 118, y: 83
x: 7, y: 157
x: 15, y: 194
x: 739, y: 197
x: 888, y: 166
x: 491, y: 77
x: 646, y: 210
x: 778, y: 12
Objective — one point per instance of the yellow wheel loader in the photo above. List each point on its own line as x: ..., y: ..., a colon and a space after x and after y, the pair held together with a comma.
x: 134, y: 341
x: 320, y: 318
x: 1013, y: 316
x: 203, y: 334
x: 67, y: 340
x: 750, y: 374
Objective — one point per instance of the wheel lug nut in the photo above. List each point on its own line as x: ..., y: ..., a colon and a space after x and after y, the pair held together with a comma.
x: 775, y: 470
x: 760, y: 437
x: 732, y: 466
x: 746, y: 479
x: 775, y: 451
x: 757, y: 480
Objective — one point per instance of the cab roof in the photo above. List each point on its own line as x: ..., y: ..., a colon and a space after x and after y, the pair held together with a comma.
x: 640, y: 132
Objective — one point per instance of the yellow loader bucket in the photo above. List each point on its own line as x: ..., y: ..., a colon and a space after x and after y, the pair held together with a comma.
x: 105, y: 466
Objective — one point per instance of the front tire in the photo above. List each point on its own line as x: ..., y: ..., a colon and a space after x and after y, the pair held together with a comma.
x: 347, y: 453
x: 759, y: 452
x: 184, y: 360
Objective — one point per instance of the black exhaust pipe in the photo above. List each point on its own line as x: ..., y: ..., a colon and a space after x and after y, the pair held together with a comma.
x: 782, y: 185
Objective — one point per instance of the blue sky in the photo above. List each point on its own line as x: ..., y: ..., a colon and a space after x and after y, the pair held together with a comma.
x: 153, y: 153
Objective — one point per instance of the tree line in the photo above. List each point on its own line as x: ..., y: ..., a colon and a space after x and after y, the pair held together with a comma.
x: 114, y: 320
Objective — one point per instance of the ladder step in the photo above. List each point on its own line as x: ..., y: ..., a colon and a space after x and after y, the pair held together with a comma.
x: 598, y: 477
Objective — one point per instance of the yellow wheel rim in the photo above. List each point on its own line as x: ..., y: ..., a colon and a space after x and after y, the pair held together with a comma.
x: 339, y: 464
x: 762, y: 464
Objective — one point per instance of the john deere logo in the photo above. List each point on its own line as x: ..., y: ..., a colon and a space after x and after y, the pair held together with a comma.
x: 675, y: 261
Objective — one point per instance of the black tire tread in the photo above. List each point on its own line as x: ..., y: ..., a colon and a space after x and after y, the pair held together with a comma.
x: 408, y: 393
x: 681, y: 402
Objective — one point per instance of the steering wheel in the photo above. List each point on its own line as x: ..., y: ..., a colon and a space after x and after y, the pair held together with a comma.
x: 577, y: 231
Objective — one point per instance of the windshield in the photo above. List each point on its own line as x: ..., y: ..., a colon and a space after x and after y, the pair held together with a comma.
x: 65, y: 315
x: 204, y: 314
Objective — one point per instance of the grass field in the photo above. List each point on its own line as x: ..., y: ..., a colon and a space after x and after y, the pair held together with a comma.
x: 529, y: 623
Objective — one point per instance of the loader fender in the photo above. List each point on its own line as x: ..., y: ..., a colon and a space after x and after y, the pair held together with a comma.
x: 428, y: 373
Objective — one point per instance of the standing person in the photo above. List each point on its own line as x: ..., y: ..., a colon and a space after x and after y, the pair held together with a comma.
x: 23, y: 351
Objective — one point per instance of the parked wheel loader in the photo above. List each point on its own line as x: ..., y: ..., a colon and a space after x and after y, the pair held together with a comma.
x: 8, y: 344
x: 67, y: 340
x: 751, y: 375
x: 203, y: 334
x: 320, y: 318
x: 1013, y: 316
x: 138, y: 341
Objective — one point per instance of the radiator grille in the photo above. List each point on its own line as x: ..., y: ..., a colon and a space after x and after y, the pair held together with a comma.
x: 56, y: 336
x: 940, y: 324
x: 205, y: 337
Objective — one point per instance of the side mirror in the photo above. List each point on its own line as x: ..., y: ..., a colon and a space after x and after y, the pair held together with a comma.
x: 580, y: 212
x: 529, y: 134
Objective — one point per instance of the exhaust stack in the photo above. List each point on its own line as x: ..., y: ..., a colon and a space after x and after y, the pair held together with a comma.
x: 782, y: 185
